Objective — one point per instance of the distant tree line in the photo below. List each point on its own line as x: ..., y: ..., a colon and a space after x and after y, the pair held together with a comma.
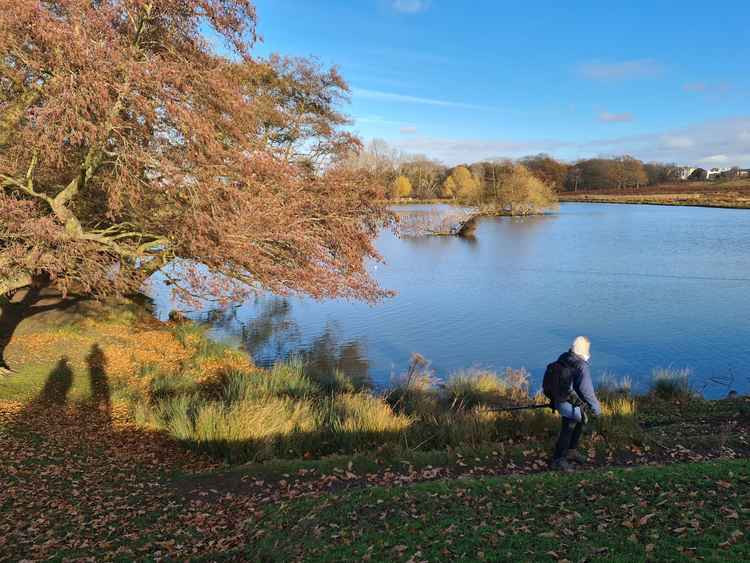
x: 419, y: 177
x: 519, y: 187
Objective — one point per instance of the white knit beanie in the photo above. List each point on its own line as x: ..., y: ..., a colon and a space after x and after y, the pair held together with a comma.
x: 582, y: 347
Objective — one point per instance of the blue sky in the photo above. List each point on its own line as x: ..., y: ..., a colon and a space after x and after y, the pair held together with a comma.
x: 464, y: 81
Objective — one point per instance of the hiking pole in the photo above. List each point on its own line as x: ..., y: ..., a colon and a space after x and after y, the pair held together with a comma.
x: 522, y: 407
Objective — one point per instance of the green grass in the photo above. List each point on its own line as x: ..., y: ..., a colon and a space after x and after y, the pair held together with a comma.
x: 657, y: 513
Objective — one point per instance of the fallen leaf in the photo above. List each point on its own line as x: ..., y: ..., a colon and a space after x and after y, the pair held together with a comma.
x: 644, y: 520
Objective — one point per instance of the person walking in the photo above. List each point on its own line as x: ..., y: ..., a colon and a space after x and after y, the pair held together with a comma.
x: 568, y: 385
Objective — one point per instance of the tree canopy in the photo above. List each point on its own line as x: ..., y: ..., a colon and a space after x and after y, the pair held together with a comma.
x: 128, y: 143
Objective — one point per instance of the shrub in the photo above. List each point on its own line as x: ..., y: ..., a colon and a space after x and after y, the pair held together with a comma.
x: 522, y: 193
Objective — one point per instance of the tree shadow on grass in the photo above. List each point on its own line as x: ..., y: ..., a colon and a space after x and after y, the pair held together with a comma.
x: 16, y: 309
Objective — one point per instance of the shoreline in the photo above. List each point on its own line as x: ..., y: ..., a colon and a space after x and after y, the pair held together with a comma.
x: 612, y: 199
x: 653, y: 200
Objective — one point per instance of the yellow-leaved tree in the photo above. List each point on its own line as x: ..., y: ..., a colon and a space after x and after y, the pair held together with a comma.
x: 522, y: 193
x: 467, y: 185
x: 402, y: 186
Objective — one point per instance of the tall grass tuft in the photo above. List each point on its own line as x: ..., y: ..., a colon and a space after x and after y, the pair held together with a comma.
x: 467, y: 389
x: 415, y: 392
x: 670, y: 384
x: 611, y: 387
x: 282, y: 380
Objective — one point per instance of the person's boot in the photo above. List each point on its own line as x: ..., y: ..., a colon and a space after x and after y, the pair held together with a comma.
x: 561, y: 464
x: 576, y: 457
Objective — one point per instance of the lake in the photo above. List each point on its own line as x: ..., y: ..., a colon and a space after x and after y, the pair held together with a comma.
x: 651, y: 286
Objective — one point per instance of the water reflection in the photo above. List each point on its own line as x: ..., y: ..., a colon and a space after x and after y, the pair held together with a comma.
x: 328, y: 354
x: 272, y: 335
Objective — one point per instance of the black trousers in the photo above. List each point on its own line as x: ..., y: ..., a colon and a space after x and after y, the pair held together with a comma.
x: 570, y: 435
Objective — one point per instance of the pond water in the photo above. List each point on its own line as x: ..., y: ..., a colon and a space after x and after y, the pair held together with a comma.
x: 651, y: 286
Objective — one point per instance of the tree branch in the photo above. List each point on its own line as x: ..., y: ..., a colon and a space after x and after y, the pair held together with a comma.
x: 14, y: 282
x: 28, y: 186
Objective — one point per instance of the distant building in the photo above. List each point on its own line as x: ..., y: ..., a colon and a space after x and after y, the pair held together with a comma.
x: 684, y: 172
x: 715, y: 173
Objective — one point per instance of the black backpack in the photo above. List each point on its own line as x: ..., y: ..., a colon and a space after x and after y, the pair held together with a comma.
x: 556, y: 382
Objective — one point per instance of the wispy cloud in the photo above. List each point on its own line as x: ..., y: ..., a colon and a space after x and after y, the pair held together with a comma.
x: 454, y: 151
x: 364, y: 93
x: 376, y: 120
x: 607, y: 117
x: 623, y: 70
x: 410, y: 6
x: 715, y: 159
x: 720, y: 142
x: 678, y: 141
x: 408, y: 130
x: 712, y: 89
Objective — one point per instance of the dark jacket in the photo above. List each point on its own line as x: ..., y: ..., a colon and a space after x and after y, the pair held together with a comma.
x: 581, y: 380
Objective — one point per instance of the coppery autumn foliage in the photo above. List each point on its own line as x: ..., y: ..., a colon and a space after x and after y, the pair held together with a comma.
x: 127, y: 143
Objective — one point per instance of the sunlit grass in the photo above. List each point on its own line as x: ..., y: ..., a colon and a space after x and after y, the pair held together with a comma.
x: 469, y: 388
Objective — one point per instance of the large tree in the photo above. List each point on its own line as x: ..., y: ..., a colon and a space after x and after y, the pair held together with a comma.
x: 130, y: 141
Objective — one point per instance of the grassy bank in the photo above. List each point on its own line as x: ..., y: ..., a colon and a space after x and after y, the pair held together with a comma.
x: 727, y: 194
x: 211, y: 398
